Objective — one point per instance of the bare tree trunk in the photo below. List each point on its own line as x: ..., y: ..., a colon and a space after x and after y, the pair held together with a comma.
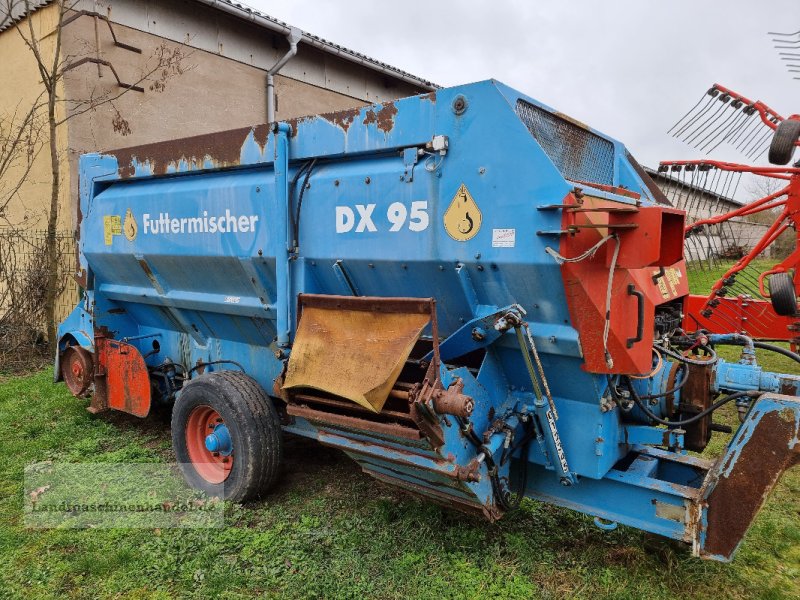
x: 51, y: 244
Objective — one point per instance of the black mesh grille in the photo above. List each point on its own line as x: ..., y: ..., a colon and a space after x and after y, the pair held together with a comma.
x: 577, y: 153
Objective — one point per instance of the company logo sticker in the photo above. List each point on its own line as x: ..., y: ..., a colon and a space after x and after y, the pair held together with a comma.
x: 129, y: 227
x: 112, y: 225
x: 462, y: 219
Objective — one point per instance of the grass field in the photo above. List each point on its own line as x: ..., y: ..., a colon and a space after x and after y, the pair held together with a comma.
x: 329, y: 531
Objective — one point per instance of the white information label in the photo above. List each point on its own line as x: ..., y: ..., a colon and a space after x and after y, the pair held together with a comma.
x: 504, y: 238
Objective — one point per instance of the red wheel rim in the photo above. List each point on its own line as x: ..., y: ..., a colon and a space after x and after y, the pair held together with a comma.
x: 211, y: 466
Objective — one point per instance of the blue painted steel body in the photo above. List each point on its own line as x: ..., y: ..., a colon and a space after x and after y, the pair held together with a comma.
x: 211, y: 274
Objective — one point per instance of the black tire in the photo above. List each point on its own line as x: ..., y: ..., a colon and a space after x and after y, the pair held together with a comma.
x: 782, y: 294
x: 254, y: 427
x: 782, y: 146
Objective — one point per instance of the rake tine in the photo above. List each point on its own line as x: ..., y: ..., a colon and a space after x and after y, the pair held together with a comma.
x: 724, y: 130
x: 760, y: 153
x: 709, y: 122
x: 688, y: 112
x: 736, y: 187
x: 783, y: 34
x: 754, y: 128
x: 675, y: 197
x: 691, y: 190
x: 704, y: 110
x: 756, y: 141
x: 697, y: 188
x: 728, y: 182
x: 766, y: 138
x: 735, y: 128
x: 722, y: 126
x: 745, y: 126
x: 679, y: 188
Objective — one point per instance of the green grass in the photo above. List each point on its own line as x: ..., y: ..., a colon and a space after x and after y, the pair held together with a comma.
x: 330, y: 531
x: 702, y: 277
x: 327, y: 531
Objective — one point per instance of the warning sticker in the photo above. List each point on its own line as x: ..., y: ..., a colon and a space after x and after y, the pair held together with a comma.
x: 130, y: 226
x: 462, y: 219
x: 504, y: 238
x: 112, y: 225
x: 668, y: 282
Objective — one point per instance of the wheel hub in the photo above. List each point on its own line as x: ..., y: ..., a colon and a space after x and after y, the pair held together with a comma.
x: 209, y: 444
x: 77, y: 370
x: 220, y: 440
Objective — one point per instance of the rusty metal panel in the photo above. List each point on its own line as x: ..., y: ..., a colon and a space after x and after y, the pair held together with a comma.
x: 126, y: 379
x: 354, y: 348
x: 764, y: 447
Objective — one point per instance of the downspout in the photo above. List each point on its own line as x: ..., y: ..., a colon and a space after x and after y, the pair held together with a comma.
x: 293, y: 37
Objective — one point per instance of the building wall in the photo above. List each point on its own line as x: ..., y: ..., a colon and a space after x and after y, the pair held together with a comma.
x: 720, y: 239
x: 20, y: 89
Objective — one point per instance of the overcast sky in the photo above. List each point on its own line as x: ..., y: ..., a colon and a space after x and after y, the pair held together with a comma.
x: 629, y: 68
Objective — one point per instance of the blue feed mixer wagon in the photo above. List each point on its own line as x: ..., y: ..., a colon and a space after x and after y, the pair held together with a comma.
x: 475, y: 297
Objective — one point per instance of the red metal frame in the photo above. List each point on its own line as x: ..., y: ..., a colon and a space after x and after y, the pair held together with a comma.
x: 765, y: 112
x: 649, y: 270
x: 788, y: 197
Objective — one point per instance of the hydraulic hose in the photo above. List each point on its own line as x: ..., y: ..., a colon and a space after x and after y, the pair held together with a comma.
x: 764, y: 346
x: 777, y: 349
x: 690, y: 361
x: 643, y: 407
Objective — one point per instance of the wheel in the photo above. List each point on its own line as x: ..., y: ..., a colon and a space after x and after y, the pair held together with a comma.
x: 782, y: 146
x: 77, y: 370
x: 782, y: 293
x: 226, y: 436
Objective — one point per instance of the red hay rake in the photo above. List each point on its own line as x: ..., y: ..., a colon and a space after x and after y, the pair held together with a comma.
x: 748, y: 297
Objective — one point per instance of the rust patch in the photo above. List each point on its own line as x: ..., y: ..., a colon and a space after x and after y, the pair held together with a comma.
x: 343, y: 119
x: 296, y: 122
x: 431, y: 96
x: 385, y: 117
x: 370, y: 117
x: 222, y: 148
x: 452, y: 401
x: 346, y: 422
x: 789, y: 387
x: 695, y: 398
x: 470, y: 472
x: 261, y: 135
x: 736, y: 499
